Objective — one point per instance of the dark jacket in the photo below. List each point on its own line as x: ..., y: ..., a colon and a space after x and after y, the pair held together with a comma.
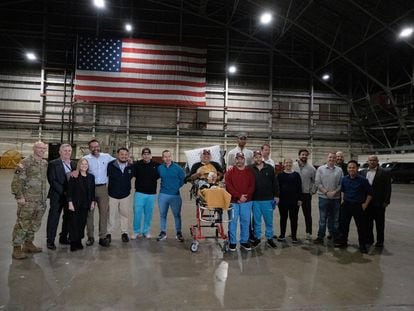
x: 146, y: 176
x: 381, y: 187
x: 57, y: 178
x: 80, y: 197
x: 119, y: 183
x: 290, y: 188
x: 267, y: 184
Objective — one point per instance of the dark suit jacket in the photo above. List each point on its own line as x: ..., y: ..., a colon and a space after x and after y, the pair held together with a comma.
x: 57, y: 178
x: 381, y: 187
x: 78, y: 195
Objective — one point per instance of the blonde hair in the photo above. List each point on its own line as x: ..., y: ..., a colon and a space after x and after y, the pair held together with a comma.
x: 79, y: 164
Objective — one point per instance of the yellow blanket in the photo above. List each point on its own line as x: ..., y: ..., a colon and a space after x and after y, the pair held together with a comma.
x: 216, y: 198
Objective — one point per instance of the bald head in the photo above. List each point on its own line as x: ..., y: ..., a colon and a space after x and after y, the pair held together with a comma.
x: 339, y: 157
x: 372, y: 161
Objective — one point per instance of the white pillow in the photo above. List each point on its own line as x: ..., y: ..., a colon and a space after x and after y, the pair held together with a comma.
x: 193, y: 156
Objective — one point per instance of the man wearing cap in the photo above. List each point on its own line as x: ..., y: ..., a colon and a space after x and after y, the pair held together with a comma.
x: 241, y: 147
x: 240, y: 183
x: 146, y: 176
x: 200, y: 170
x: 265, y: 197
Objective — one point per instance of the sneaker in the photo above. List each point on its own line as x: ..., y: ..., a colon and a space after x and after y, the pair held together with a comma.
x: 281, y: 239
x: 232, y: 247
x: 64, y: 240
x: 308, y: 236
x: 162, y: 236
x: 104, y: 242
x: 146, y: 236
x: 90, y: 241
x: 124, y: 237
x: 318, y: 240
x: 341, y: 244
x: 294, y: 240
x: 271, y: 243
x: 256, y: 242
x: 247, y: 246
x: 109, y: 238
x: 179, y: 236
x: 51, y: 246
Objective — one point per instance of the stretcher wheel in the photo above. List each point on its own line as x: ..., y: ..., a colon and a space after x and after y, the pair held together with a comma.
x: 225, y: 248
x: 194, y: 246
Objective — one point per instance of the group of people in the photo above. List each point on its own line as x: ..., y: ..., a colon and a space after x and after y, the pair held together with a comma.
x: 101, y: 181
x: 97, y: 180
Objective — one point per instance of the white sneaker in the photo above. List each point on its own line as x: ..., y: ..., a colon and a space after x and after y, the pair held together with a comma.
x: 136, y: 236
x: 308, y: 236
x: 146, y: 236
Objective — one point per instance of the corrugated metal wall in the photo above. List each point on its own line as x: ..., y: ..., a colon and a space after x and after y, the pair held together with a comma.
x: 288, y: 120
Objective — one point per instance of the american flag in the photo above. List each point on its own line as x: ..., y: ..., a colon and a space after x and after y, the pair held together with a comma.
x: 140, y: 71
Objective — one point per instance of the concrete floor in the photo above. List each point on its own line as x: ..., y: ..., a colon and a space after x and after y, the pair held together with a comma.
x: 151, y: 275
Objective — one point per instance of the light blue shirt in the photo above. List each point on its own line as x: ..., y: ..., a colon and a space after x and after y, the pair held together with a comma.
x: 98, y: 166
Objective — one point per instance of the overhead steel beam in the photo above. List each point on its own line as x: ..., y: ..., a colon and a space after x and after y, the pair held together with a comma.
x: 385, y: 25
x: 272, y: 47
x: 360, y: 69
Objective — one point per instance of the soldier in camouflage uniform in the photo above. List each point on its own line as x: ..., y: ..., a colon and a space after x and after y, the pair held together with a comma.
x: 29, y: 188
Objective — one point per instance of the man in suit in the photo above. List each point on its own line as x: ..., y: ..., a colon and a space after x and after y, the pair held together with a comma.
x: 380, y: 180
x: 57, y: 172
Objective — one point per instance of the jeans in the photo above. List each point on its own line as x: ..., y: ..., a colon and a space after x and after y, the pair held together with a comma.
x: 265, y: 209
x: 328, y: 212
x: 143, y: 204
x: 242, y: 211
x: 164, y: 202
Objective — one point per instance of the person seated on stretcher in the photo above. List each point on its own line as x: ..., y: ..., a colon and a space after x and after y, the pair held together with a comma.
x: 201, y: 169
x: 214, y: 196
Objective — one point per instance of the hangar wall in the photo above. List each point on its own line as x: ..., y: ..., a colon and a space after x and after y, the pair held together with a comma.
x: 36, y: 104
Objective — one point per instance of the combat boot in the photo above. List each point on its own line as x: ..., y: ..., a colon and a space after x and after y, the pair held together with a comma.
x: 17, y: 253
x: 29, y: 247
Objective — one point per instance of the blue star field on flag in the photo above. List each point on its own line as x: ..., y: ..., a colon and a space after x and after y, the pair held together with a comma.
x: 99, y: 54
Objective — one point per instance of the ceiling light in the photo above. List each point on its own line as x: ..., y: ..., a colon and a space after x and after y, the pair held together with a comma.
x: 266, y: 18
x: 232, y: 69
x: 326, y: 77
x: 31, y: 56
x: 406, y: 32
x: 99, y: 3
x: 128, y: 27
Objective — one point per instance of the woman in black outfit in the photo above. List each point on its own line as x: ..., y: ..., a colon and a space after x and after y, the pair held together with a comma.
x: 290, y: 185
x: 81, y: 198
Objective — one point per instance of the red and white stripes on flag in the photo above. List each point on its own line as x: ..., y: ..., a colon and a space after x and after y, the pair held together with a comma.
x: 140, y: 71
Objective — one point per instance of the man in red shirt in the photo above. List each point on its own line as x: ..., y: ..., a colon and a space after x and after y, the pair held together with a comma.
x: 240, y: 183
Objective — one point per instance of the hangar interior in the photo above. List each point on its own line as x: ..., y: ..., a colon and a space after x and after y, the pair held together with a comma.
x: 278, y: 94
